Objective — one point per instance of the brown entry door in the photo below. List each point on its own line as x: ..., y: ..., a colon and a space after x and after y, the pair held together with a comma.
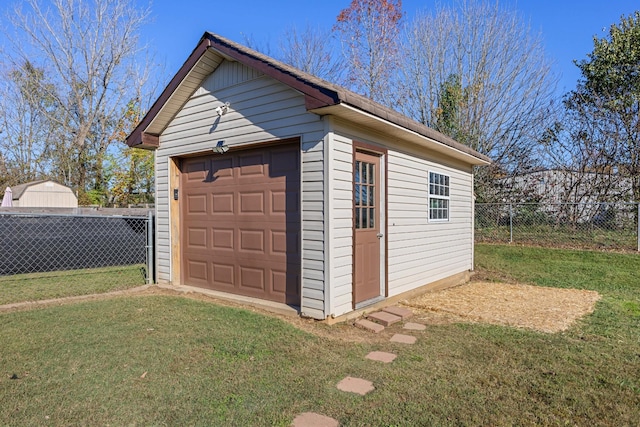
x: 367, y: 231
x: 240, y: 220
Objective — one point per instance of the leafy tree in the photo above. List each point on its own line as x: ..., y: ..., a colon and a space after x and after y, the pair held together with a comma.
x: 475, y: 71
x: 369, y: 31
x: 133, y: 168
x: 604, y: 109
x: 450, y: 101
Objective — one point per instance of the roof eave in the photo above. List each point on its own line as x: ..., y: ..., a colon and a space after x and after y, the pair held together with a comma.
x: 364, y: 118
x: 316, y: 96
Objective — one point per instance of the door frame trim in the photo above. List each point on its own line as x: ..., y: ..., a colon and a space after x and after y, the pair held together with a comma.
x: 381, y: 151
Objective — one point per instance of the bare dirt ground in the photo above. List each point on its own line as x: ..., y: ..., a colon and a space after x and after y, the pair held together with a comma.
x: 522, y: 306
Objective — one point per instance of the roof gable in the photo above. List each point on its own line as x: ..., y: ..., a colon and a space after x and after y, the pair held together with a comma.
x: 18, y: 190
x: 321, y: 97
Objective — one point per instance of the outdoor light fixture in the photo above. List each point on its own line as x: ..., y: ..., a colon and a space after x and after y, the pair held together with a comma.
x: 222, y: 110
x: 220, y: 148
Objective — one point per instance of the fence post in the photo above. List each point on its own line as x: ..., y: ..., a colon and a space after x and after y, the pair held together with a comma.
x: 510, y: 223
x: 150, y: 263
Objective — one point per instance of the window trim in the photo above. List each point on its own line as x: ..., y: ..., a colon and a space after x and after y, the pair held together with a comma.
x: 440, y: 197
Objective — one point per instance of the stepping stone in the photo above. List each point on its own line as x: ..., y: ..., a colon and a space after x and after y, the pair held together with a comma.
x: 384, y: 318
x: 404, y: 313
x: 414, y: 326
x: 368, y: 325
x: 404, y: 339
x: 381, y: 356
x: 311, y: 419
x: 355, y: 385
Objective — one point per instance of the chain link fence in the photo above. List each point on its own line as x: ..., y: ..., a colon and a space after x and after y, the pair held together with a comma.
x: 108, y: 248
x: 601, y: 226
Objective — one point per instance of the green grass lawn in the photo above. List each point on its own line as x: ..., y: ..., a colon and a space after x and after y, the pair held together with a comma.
x: 58, y: 284
x: 167, y: 360
x: 561, y: 237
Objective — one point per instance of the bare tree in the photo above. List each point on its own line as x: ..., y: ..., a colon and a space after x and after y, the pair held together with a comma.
x: 369, y: 31
x: 582, y: 152
x: 311, y: 50
x: 88, y: 50
x: 26, y: 135
x: 493, y: 74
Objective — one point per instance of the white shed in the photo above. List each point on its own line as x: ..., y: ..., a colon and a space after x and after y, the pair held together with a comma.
x: 43, y: 194
x: 277, y: 185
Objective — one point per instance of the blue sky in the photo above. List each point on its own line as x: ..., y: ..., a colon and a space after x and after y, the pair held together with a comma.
x: 567, y: 26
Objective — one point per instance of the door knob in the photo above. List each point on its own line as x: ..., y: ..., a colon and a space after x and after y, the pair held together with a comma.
x: 379, y: 235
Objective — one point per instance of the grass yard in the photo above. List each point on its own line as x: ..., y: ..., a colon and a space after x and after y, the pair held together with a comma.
x: 59, y: 284
x: 561, y: 237
x: 168, y: 360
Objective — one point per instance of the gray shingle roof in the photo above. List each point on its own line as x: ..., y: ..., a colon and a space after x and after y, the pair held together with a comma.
x: 318, y: 93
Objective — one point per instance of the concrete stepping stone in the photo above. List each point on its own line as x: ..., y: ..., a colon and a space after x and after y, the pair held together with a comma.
x: 368, y: 325
x: 355, y: 385
x: 381, y: 356
x: 404, y: 313
x: 414, y: 326
x: 384, y: 318
x: 404, y: 339
x: 311, y: 419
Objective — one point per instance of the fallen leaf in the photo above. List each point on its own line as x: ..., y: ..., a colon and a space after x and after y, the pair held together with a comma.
x: 143, y: 375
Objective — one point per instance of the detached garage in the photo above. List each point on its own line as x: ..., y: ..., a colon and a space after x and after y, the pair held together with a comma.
x: 241, y: 222
x: 277, y: 185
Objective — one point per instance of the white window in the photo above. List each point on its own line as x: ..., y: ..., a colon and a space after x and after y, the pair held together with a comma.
x: 438, y: 197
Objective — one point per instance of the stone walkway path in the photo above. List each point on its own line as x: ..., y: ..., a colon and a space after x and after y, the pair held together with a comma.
x: 375, y: 323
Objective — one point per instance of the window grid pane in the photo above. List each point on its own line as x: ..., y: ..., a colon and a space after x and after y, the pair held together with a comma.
x: 364, y: 195
x: 438, y: 196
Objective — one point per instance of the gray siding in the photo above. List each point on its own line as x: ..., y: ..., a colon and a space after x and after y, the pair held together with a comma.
x: 261, y: 110
x: 419, y: 252
x: 341, y: 224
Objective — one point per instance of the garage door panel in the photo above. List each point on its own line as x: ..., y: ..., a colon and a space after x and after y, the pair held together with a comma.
x: 196, y: 204
x: 285, y: 202
x: 222, y: 168
x: 197, y: 238
x: 223, y: 239
x: 252, y: 202
x: 197, y: 170
x: 252, y: 277
x: 248, y: 240
x: 197, y: 270
x: 223, y: 275
x: 251, y: 165
x: 283, y: 164
x: 284, y: 243
x: 252, y: 241
x: 222, y: 203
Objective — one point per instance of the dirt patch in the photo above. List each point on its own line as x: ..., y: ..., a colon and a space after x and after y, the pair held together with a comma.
x: 523, y: 306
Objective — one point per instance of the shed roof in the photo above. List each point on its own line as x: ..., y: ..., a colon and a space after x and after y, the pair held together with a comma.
x: 321, y: 97
x: 18, y: 190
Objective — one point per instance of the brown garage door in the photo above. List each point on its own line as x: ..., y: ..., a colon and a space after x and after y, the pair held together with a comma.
x: 240, y: 222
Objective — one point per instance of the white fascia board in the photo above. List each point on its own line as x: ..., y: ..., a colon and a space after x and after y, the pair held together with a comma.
x: 350, y: 113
